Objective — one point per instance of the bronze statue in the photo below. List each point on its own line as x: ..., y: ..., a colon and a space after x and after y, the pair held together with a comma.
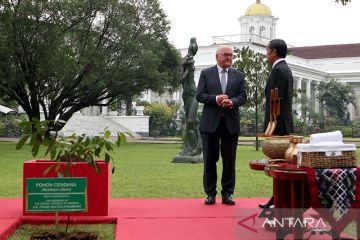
x: 192, y: 144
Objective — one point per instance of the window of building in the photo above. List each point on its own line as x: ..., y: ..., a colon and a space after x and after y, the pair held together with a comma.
x: 251, y: 30
x: 262, y: 31
x: 251, y: 33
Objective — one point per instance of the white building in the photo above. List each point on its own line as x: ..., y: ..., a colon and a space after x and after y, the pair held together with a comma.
x: 309, y: 65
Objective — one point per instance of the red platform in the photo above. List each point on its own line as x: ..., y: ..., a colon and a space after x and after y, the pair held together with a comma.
x: 163, y: 219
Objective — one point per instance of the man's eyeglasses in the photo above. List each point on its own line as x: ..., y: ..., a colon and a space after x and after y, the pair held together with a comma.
x: 226, y: 54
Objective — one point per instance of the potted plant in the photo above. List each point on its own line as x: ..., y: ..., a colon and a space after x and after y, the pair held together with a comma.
x: 71, y: 156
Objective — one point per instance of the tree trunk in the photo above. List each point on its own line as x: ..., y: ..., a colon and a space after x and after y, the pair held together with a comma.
x: 128, y: 103
x: 256, y: 119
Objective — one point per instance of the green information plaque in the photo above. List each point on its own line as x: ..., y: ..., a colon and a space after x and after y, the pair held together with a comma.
x: 56, y: 195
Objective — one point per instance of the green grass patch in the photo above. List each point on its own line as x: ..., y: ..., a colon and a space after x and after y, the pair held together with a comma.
x: 146, y: 171
x: 104, y: 231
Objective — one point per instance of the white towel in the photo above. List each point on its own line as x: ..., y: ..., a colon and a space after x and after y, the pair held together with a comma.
x: 326, y: 147
x: 330, y: 148
x: 335, y: 136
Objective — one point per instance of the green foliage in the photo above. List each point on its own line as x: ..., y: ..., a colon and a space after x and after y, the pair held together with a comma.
x: 356, y: 127
x: 301, y: 127
x: 335, y: 96
x: 10, y: 125
x: 248, y: 115
x: 68, y: 55
x: 68, y: 149
x: 7, y: 102
x: 248, y: 121
x: 347, y: 131
x: 147, y: 172
x: 104, y: 231
x: 343, y: 2
x: 307, y: 113
x: 256, y: 69
x: 326, y: 124
x: 142, y: 103
x: 162, y: 119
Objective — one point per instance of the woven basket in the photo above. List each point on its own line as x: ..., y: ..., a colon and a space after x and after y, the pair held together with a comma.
x: 319, y: 160
x: 275, y: 147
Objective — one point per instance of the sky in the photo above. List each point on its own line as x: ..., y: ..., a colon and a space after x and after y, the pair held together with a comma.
x: 300, y: 22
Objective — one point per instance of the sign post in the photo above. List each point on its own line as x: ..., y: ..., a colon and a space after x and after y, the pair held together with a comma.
x: 56, y: 194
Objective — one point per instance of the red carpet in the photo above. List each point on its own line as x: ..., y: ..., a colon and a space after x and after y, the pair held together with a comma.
x: 164, y: 219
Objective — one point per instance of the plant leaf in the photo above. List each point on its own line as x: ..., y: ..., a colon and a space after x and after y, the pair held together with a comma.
x: 47, y: 170
x: 97, y: 168
x: 87, y: 141
x: 22, y: 141
x: 108, y: 146
x: 53, y: 152
x: 107, y: 158
x: 123, y: 137
x: 107, y: 134
x: 35, y: 149
x: 97, y: 150
x: 57, y: 168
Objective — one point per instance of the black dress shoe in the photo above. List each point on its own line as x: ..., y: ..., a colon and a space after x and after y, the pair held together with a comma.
x: 265, y: 205
x: 262, y: 205
x: 228, y: 200
x: 210, y: 200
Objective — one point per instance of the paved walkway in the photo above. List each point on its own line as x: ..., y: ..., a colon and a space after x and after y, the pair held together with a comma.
x: 153, y: 140
x: 175, y: 140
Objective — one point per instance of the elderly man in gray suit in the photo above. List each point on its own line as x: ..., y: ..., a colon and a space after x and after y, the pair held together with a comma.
x: 222, y: 91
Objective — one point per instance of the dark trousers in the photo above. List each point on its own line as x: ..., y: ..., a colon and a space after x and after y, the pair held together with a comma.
x: 212, y: 142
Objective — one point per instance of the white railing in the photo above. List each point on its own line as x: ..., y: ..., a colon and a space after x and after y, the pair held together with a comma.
x: 225, y: 39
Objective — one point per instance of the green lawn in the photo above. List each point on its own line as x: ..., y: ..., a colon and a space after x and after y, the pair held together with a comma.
x: 104, y: 231
x: 146, y: 171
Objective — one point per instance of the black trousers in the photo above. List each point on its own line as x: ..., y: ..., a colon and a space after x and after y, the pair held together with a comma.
x: 212, y: 143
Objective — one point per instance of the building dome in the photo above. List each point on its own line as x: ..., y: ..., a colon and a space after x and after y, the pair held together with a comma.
x: 258, y: 9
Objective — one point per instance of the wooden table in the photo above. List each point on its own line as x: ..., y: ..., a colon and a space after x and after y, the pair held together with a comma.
x: 290, y: 191
x: 291, y: 197
x: 258, y: 165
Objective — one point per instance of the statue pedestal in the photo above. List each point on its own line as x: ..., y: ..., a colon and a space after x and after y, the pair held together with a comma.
x: 188, y: 159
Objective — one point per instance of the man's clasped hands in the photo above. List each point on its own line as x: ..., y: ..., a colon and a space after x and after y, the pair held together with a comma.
x: 224, y: 101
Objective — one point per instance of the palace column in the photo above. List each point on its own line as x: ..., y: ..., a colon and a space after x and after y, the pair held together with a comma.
x: 308, y: 89
x: 317, y: 104
x: 298, y: 107
x: 104, y: 109
x: 308, y: 94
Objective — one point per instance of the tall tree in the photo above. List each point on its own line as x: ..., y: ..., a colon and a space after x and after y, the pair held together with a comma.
x: 256, y: 69
x: 63, y: 56
x: 335, y: 97
x: 344, y: 2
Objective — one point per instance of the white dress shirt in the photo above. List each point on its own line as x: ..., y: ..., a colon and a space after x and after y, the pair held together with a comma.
x: 277, y: 61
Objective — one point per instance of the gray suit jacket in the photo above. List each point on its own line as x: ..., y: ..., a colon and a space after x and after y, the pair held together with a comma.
x: 209, y: 86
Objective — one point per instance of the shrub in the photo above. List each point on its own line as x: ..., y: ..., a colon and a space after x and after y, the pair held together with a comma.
x: 347, y: 131
x: 162, y: 119
x: 9, y: 125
